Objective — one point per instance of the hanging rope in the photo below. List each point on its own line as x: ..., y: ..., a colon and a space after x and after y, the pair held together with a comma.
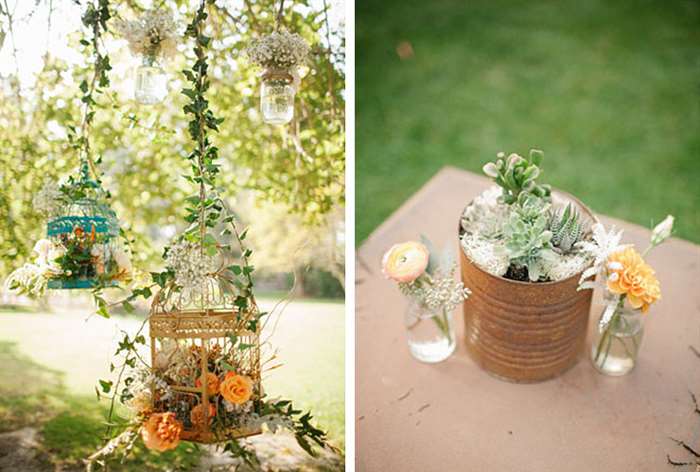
x: 280, y: 15
x: 95, y: 17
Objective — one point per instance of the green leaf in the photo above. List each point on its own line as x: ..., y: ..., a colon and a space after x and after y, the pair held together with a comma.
x: 106, y: 385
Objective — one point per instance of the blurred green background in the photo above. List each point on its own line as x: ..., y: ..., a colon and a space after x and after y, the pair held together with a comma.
x: 609, y: 90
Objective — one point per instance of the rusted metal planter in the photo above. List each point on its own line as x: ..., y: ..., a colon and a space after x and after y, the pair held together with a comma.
x: 521, y: 331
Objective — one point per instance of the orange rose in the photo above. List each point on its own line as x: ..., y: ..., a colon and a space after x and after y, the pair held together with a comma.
x: 212, y: 383
x: 161, y: 432
x: 197, y: 414
x: 629, y: 275
x: 236, y: 388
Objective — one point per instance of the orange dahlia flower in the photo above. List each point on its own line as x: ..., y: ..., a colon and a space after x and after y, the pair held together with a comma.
x: 161, y: 431
x: 629, y: 275
x: 197, y: 414
x: 236, y: 388
x: 212, y: 383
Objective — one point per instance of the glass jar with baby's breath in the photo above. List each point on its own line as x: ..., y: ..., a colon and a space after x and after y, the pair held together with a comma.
x: 277, y: 97
x: 151, y: 82
x: 430, y: 332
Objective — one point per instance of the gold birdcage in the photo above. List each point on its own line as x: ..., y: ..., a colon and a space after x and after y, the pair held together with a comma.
x: 200, y: 338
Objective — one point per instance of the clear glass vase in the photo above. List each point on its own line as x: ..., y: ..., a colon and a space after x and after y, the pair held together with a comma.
x: 430, y: 332
x: 151, y: 83
x: 615, y: 346
x: 277, y: 98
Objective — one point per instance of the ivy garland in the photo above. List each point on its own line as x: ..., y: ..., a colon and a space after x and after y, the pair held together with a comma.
x: 206, y: 211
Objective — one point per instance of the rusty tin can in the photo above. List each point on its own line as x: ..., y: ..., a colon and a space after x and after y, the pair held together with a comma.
x: 523, y: 331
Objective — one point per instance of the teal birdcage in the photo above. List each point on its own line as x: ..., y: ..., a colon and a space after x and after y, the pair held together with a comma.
x: 86, y: 230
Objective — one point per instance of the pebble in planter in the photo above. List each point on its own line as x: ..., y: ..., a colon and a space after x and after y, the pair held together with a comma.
x: 525, y: 320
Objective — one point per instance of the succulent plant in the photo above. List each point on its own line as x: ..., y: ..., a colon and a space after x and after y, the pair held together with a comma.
x: 567, y: 227
x: 517, y: 176
x: 528, y: 240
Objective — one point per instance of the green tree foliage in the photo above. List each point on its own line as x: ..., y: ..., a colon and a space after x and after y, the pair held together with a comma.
x: 141, y: 149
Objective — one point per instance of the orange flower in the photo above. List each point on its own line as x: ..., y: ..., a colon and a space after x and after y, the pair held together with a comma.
x: 236, y: 388
x: 197, y: 414
x: 212, y: 383
x: 79, y: 232
x: 629, y: 275
x: 161, y: 432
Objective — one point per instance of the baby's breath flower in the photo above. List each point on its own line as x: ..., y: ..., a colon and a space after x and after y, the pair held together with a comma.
x: 152, y: 35
x: 191, y: 266
x: 47, y: 201
x: 280, y: 49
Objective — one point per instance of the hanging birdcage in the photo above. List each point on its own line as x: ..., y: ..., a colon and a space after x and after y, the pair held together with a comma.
x: 205, y: 353
x: 83, y: 231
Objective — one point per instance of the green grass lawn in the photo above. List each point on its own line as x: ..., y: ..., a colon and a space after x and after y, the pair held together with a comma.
x: 50, y: 363
x: 609, y: 90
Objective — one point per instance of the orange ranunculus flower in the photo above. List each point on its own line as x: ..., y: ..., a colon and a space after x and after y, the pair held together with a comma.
x: 236, y: 388
x: 161, y: 432
x: 197, y: 414
x: 405, y: 262
x: 212, y: 383
x: 629, y: 275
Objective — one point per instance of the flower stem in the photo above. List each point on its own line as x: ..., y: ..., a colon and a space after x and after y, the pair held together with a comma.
x: 607, y: 334
x: 443, y: 324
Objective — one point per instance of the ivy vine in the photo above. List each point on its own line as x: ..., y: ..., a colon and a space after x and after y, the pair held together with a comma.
x: 206, y: 211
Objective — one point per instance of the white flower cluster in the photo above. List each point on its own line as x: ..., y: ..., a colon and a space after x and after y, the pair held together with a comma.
x: 191, y: 266
x: 140, y: 385
x: 47, y: 201
x: 280, y: 49
x: 440, y: 292
x: 153, y: 35
x: 446, y: 293
x: 239, y: 410
x: 31, y: 278
x: 603, y: 244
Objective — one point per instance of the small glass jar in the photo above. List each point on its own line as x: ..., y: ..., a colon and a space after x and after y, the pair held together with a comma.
x: 615, y: 346
x: 151, y: 82
x: 277, y: 97
x: 430, y: 332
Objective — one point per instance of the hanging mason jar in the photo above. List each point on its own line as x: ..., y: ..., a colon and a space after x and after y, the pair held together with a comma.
x: 151, y: 82
x: 277, y: 96
x: 616, y: 344
x: 430, y: 333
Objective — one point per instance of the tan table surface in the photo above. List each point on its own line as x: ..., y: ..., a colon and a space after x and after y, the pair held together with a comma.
x: 412, y: 416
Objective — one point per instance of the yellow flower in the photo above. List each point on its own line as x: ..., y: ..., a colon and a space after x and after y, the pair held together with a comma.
x: 236, y: 388
x: 161, y: 431
x: 405, y: 262
x: 629, y: 275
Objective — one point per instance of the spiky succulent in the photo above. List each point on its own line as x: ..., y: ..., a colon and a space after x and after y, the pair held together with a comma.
x: 517, y: 176
x: 567, y: 227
